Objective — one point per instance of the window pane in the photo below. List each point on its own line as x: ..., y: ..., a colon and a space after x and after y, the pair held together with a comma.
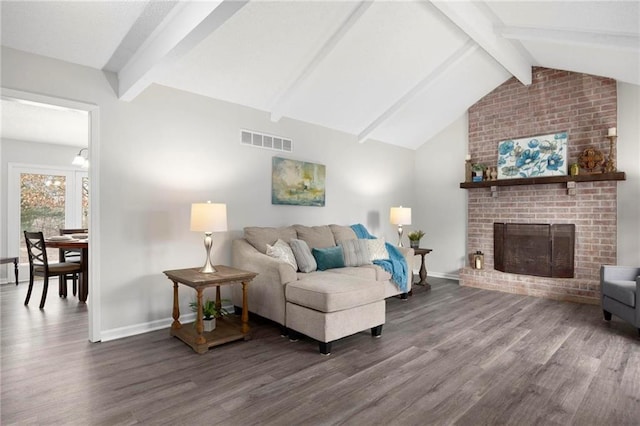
x: 85, y: 203
x: 42, y: 208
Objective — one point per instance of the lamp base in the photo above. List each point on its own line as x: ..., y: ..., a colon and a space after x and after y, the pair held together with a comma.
x: 208, y: 266
x: 400, y: 232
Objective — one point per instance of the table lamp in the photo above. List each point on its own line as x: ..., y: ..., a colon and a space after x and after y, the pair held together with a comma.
x: 400, y: 216
x: 208, y: 218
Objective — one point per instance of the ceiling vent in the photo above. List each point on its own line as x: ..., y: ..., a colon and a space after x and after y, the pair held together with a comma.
x: 263, y: 140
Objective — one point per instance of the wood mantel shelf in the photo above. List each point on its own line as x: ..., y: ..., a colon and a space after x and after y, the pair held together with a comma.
x: 544, y: 180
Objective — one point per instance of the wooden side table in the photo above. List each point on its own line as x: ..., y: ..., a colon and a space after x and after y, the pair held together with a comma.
x: 13, y: 260
x: 423, y: 269
x: 227, y: 329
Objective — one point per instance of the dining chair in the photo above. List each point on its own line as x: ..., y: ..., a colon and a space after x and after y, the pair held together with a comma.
x: 69, y: 255
x: 40, y: 266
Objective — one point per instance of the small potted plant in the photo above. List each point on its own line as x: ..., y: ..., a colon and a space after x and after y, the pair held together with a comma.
x: 478, y: 171
x: 209, y: 313
x: 414, y: 238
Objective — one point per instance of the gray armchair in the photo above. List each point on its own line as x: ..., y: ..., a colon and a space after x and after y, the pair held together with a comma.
x: 620, y: 291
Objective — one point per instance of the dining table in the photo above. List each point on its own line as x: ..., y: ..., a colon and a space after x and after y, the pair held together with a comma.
x: 81, y: 246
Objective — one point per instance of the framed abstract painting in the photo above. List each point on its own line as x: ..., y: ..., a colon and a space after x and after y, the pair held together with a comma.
x: 535, y: 156
x: 297, y: 183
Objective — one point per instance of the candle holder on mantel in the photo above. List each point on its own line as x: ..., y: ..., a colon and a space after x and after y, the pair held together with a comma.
x: 467, y: 170
x: 610, y: 164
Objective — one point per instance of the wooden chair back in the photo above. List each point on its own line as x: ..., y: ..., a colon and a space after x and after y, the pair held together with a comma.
x: 36, y: 250
x: 68, y: 255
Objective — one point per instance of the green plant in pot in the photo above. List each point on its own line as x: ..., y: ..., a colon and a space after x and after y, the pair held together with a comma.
x: 478, y: 171
x: 415, y: 237
x: 209, y: 313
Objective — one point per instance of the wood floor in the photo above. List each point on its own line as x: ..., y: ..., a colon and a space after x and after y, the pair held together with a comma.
x: 451, y: 355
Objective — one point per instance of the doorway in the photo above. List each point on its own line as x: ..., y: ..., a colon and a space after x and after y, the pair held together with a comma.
x: 93, y: 303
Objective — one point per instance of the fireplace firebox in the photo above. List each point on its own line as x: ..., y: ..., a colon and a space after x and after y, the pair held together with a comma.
x: 543, y: 250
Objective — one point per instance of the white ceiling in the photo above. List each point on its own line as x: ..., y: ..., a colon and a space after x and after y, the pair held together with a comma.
x: 394, y: 71
x: 34, y: 122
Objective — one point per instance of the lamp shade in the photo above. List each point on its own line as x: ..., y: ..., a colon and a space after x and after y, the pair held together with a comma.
x: 78, y: 160
x: 400, y: 215
x: 81, y: 160
x: 208, y: 217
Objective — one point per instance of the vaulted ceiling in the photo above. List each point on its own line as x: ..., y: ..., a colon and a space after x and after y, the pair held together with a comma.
x: 394, y: 71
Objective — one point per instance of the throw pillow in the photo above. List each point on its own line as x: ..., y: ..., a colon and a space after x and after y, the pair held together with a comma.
x: 328, y: 258
x: 316, y: 236
x: 377, y: 250
x: 356, y: 252
x: 341, y: 233
x: 259, y: 237
x: 305, y: 260
x: 282, y: 251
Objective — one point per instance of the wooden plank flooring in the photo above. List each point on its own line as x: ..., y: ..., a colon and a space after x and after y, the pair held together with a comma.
x: 451, y: 355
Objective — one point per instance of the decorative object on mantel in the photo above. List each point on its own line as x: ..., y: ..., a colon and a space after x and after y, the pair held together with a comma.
x: 591, y: 160
x: 527, y: 157
x: 400, y: 216
x: 478, y: 260
x: 297, y: 183
x: 493, y: 173
x: 414, y: 238
x: 208, y: 218
x: 575, y: 169
x: 610, y: 164
x: 478, y: 172
x: 467, y: 169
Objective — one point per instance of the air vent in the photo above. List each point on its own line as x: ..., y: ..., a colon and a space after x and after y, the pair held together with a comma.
x: 263, y: 140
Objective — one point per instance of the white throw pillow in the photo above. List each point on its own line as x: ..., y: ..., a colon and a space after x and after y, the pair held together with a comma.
x: 282, y: 251
x: 377, y: 250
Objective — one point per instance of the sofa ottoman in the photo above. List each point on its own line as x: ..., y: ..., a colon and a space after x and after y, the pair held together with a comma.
x: 328, y: 306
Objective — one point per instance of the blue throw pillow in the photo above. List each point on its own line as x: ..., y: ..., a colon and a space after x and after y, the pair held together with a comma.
x: 328, y: 258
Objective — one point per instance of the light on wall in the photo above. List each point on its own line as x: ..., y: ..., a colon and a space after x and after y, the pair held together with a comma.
x: 400, y: 216
x: 81, y: 160
x: 208, y: 218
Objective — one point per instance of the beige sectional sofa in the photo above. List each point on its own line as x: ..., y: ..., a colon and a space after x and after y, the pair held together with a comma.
x: 325, y: 305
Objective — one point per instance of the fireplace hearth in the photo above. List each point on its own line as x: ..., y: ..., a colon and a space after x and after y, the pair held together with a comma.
x: 543, y: 250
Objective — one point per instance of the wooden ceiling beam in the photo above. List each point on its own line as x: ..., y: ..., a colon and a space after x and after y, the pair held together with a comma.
x: 186, y: 26
x: 432, y: 78
x: 561, y: 36
x: 471, y: 19
x: 282, y: 99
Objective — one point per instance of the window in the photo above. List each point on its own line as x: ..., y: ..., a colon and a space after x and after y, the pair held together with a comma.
x: 45, y: 199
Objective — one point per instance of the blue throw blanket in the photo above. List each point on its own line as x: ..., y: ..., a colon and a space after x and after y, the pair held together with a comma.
x: 362, y: 232
x: 396, y: 265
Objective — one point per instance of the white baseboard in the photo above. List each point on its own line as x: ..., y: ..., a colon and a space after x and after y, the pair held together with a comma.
x: 165, y: 323
x: 445, y: 275
x: 132, y: 330
x: 454, y: 277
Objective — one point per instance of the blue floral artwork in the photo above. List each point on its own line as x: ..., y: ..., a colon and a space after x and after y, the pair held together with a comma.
x: 535, y: 156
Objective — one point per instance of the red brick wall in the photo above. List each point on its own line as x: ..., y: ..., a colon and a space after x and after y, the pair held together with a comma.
x: 585, y: 107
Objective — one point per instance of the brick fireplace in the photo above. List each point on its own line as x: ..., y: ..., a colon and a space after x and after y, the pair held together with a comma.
x: 585, y: 107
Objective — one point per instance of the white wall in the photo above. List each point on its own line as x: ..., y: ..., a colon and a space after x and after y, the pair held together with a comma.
x: 14, y: 151
x: 167, y: 149
x: 628, y: 160
x: 440, y: 205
